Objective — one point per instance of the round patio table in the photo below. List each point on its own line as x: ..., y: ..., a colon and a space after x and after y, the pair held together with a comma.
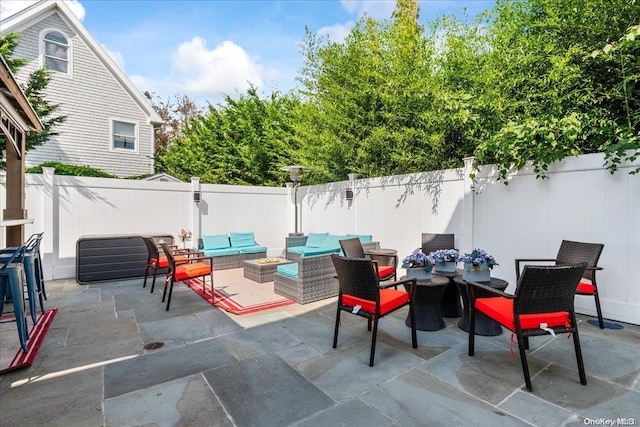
x: 450, y: 302
x: 484, y: 325
x: 426, y: 305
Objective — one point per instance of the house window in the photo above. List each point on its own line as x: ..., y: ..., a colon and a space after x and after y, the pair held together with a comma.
x: 124, y: 135
x: 56, y: 52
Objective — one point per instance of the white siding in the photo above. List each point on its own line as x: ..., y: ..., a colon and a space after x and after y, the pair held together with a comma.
x: 89, y: 99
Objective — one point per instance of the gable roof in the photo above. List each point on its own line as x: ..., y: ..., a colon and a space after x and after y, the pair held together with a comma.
x: 44, y: 8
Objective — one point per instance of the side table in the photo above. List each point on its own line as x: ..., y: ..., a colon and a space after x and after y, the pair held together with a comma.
x: 484, y: 325
x: 426, y: 304
x: 450, y: 303
x: 260, y: 271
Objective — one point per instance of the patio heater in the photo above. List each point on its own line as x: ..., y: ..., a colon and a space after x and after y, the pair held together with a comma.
x: 294, y: 174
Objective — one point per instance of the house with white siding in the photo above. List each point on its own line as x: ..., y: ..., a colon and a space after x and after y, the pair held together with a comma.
x: 109, y: 124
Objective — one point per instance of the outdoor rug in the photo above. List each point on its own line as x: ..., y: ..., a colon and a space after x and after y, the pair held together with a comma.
x: 237, y: 295
x: 12, y: 357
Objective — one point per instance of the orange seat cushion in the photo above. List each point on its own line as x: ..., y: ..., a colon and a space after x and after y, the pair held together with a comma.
x: 390, y: 299
x: 189, y: 271
x: 501, y: 310
x: 585, y: 287
x: 385, y: 270
x: 164, y: 261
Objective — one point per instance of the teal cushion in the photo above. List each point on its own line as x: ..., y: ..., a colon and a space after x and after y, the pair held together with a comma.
x: 221, y: 252
x: 252, y: 249
x: 315, y: 240
x: 289, y: 270
x: 364, y: 238
x: 319, y: 251
x: 242, y: 239
x: 216, y: 241
x: 297, y: 249
x: 332, y: 241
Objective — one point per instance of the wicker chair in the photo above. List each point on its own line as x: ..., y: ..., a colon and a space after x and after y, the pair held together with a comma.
x: 573, y: 252
x: 352, y: 248
x: 450, y: 301
x: 197, y: 265
x: 544, y: 295
x: 362, y: 294
x: 157, y: 261
x: 433, y: 242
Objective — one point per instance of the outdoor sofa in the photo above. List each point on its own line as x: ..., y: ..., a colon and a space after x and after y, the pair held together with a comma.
x: 312, y: 277
x: 230, y: 250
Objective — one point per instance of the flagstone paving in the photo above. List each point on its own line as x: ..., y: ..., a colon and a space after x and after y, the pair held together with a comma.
x: 278, y: 368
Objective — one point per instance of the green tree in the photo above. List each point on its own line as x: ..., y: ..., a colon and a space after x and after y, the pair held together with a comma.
x: 550, y: 98
x: 243, y: 141
x: 34, y: 90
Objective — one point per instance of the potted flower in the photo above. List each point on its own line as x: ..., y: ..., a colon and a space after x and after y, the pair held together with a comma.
x: 477, y: 266
x: 445, y: 259
x: 418, y: 265
x: 184, y: 236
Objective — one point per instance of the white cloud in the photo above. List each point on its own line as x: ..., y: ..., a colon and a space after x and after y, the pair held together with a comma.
x: 115, y: 55
x: 9, y: 7
x: 336, y: 33
x: 227, y: 68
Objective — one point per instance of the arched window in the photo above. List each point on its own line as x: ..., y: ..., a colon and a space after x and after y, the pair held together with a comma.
x: 56, y: 52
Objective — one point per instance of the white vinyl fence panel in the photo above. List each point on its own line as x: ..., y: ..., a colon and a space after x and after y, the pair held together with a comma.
x: 528, y: 218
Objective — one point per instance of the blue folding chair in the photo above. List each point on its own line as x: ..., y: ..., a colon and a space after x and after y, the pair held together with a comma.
x: 11, y: 287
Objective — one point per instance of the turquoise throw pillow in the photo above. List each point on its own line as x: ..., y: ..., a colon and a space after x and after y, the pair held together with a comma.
x: 242, y: 239
x: 314, y: 240
x: 216, y: 241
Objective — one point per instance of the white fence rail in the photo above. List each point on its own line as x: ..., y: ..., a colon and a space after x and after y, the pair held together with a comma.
x: 526, y: 219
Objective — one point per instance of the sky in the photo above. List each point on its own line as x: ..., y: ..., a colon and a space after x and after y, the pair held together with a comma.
x: 207, y: 48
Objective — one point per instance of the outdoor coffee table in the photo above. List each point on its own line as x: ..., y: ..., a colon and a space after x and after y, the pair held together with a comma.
x: 426, y: 304
x: 484, y: 325
x: 262, y: 270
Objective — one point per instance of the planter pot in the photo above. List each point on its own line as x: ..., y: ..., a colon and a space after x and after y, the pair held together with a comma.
x: 419, y: 273
x: 477, y: 275
x: 446, y: 267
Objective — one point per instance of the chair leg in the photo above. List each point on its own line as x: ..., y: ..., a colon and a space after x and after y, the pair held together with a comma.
x: 472, y: 330
x: 153, y: 282
x: 373, y: 341
x: 523, y: 360
x: 526, y: 343
x: 576, y: 345
x: 599, y: 310
x: 414, y: 336
x: 146, y: 274
x: 337, y: 325
x: 212, y: 296
x: 170, y: 292
x: 166, y: 284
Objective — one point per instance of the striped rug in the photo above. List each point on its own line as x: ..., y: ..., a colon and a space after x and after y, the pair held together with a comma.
x: 223, y: 298
x: 36, y: 336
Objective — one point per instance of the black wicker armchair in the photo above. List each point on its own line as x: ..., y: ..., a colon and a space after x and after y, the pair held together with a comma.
x: 362, y: 294
x: 543, y: 302
x: 573, y: 252
x: 352, y: 248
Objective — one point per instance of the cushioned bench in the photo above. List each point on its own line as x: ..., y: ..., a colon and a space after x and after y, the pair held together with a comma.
x: 228, y: 251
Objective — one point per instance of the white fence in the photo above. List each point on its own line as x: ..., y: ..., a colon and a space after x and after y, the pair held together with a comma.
x: 526, y: 219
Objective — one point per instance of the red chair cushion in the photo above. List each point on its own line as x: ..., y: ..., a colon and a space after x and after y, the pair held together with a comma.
x: 501, y: 310
x: 385, y: 271
x: 390, y: 299
x: 585, y: 287
x: 189, y: 271
x: 164, y: 261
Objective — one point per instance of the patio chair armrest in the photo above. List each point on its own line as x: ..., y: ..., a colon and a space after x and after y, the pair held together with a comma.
x: 411, y: 281
x: 471, y: 287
